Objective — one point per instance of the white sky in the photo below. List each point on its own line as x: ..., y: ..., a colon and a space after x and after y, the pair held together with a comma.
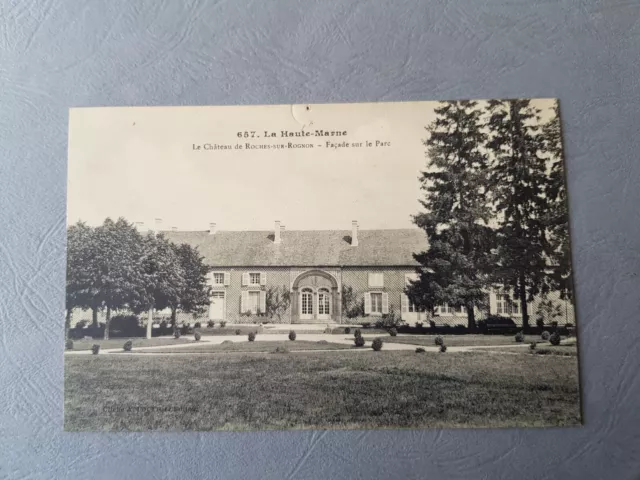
x: 139, y: 163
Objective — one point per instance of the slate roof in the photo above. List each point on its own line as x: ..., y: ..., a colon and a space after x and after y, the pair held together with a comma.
x: 305, y: 248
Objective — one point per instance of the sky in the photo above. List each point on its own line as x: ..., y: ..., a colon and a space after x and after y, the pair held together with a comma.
x: 143, y: 163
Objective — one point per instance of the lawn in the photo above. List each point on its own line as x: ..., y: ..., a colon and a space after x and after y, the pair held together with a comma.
x: 562, y: 350
x: 245, y: 346
x: 462, y: 340
x: 137, y: 342
x: 319, y: 390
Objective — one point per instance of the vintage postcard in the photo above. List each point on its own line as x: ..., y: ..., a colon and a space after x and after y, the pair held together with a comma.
x: 374, y: 265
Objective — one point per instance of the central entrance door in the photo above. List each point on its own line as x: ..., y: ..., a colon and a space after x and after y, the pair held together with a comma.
x: 216, y: 307
x: 306, y: 304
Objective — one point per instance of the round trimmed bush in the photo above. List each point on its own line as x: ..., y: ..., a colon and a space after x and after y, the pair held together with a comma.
x: 545, y: 336
x: 554, y: 339
x: 532, y: 346
x: 420, y: 350
x: 211, y: 324
x: 252, y: 336
x: 197, y: 336
x: 443, y: 348
x: 128, y: 345
x: 519, y: 337
x: 439, y: 341
x: 177, y: 333
x: 238, y: 332
x: 347, y: 330
x: 376, y: 344
x: 393, y: 332
x: 197, y: 325
x: 223, y: 324
x: 359, y: 341
x: 357, y: 333
x: 68, y: 344
x: 292, y: 335
x: 95, y: 349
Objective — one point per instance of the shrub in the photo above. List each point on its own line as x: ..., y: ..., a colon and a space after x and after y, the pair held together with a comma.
x: 418, y: 324
x: 439, y: 341
x: 211, y: 324
x: 532, y: 346
x: 393, y: 332
x: 95, y: 349
x: 554, y: 339
x: 519, y: 337
x: 197, y: 336
x: 376, y: 344
x: 481, y: 325
x: 366, y: 324
x: 540, y: 323
x: 432, y: 324
x: 347, y: 330
x: 176, y: 334
x: 68, y: 344
x: 359, y: 341
x: 554, y: 324
x: 125, y: 326
x: 460, y: 326
x: 443, y: 348
x: 357, y: 333
x: 545, y: 336
x: 252, y: 336
x: 280, y: 350
x: 223, y: 324
x: 128, y: 345
x: 238, y: 332
x: 292, y: 335
x: 197, y: 325
x: 420, y: 350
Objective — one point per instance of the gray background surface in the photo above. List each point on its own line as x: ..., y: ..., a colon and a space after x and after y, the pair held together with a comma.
x: 58, y: 54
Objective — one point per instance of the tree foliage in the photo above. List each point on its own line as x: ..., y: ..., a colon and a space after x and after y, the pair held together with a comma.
x: 456, y: 221
x: 277, y: 301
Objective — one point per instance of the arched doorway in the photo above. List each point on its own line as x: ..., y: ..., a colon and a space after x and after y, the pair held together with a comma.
x: 315, y: 298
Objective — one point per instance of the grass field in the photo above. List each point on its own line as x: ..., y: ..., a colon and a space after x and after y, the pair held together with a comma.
x: 137, y: 342
x: 562, y: 350
x: 245, y: 346
x: 319, y: 390
x: 462, y: 340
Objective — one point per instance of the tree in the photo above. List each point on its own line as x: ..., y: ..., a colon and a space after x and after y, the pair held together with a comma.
x: 116, y: 267
x: 351, y: 307
x: 455, y: 267
x: 194, y: 294
x: 80, y: 238
x: 519, y: 184
x: 558, y: 214
x: 277, y: 301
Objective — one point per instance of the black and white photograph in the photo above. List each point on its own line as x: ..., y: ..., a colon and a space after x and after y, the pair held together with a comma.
x: 320, y: 266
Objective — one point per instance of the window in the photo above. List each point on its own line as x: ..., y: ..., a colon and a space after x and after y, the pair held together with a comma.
x: 505, y: 305
x: 254, y: 302
x: 218, y: 278
x: 254, y: 278
x: 446, y: 309
x: 324, y: 305
x: 307, y: 302
x: 376, y: 280
x: 376, y: 302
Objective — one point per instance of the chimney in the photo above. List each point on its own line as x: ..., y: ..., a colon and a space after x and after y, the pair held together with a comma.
x: 276, y: 233
x: 157, y: 225
x: 212, y: 229
x: 354, y: 233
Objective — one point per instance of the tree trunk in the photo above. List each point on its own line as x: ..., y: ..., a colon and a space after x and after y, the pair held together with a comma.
x: 523, y: 304
x: 471, y: 318
x: 173, y: 319
x: 106, y: 323
x: 67, y: 324
x: 94, y: 316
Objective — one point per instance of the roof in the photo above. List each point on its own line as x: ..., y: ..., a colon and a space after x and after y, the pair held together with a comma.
x: 305, y: 248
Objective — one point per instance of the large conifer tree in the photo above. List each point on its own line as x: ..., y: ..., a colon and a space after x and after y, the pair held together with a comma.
x: 520, y: 186
x: 455, y: 265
